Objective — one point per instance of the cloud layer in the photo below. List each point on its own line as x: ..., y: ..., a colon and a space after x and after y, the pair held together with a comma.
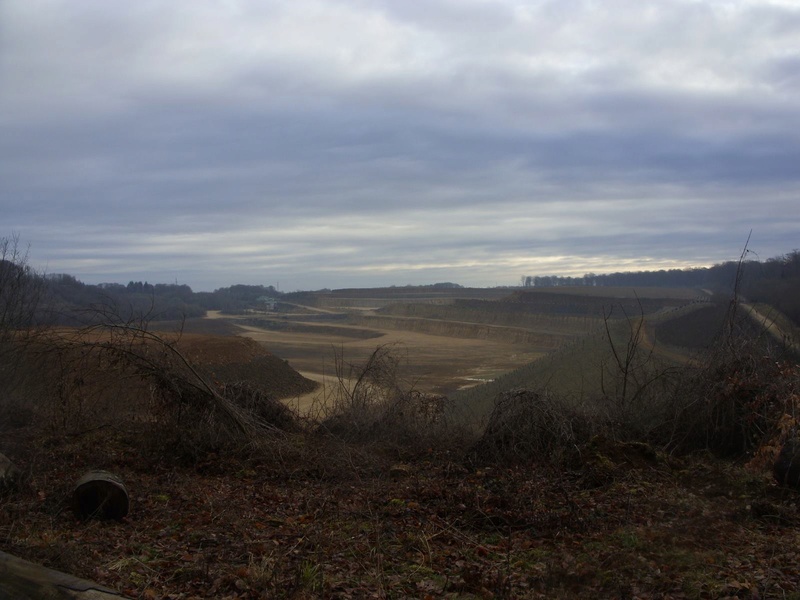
x: 320, y: 144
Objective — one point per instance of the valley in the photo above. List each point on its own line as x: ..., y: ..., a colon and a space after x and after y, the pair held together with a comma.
x: 447, y: 341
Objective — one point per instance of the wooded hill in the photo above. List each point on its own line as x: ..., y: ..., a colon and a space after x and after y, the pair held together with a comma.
x: 775, y: 281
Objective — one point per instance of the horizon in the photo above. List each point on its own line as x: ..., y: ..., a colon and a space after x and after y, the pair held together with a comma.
x: 276, y: 285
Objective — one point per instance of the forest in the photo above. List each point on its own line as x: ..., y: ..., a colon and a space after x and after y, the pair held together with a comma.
x: 774, y: 281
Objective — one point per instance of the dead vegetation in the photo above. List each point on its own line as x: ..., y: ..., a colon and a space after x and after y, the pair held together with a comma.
x: 372, y: 406
x: 527, y: 427
x: 381, y: 494
x: 383, y: 491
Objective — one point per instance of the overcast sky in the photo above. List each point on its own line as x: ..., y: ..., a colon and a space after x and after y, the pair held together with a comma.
x: 311, y: 144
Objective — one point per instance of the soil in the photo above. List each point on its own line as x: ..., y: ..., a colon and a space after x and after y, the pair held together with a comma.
x: 227, y: 358
x: 331, y: 523
x: 430, y: 363
x: 233, y: 359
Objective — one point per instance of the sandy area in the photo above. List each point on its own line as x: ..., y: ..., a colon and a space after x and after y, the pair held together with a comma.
x: 430, y: 363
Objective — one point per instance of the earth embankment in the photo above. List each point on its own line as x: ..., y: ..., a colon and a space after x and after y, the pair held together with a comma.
x: 233, y: 359
x: 461, y: 329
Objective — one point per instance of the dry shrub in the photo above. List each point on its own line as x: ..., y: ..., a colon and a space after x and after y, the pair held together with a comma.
x: 197, y: 422
x: 779, y: 450
x: 529, y: 427
x: 737, y: 398
x: 118, y: 374
x: 371, y: 407
x: 267, y: 409
x: 66, y: 389
x: 21, y: 392
x: 734, y: 402
x: 786, y: 433
x: 362, y: 395
x: 22, y: 295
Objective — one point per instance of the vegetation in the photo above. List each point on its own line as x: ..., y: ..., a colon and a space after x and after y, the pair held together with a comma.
x: 775, y: 281
x: 69, y: 299
x: 612, y: 468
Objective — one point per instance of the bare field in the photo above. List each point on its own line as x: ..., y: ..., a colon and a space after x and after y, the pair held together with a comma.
x: 445, y: 344
x: 430, y: 363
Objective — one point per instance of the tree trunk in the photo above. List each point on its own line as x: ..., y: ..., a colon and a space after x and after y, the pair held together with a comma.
x: 23, y: 580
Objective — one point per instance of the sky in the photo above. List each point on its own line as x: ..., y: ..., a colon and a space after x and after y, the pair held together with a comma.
x: 308, y: 144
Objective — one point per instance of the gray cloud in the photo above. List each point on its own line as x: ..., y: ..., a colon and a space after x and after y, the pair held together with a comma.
x: 354, y: 143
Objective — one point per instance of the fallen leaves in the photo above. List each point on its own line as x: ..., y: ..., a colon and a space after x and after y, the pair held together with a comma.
x: 522, y: 533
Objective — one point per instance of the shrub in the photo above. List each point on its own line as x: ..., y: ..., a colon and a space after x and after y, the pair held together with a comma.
x: 22, y: 292
x: 371, y: 406
x: 732, y: 403
x: 529, y: 427
x: 265, y: 408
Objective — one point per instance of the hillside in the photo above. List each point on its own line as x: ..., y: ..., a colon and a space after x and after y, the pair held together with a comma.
x: 617, y: 479
x: 235, y: 359
x: 393, y: 506
x: 693, y: 330
x: 673, y: 333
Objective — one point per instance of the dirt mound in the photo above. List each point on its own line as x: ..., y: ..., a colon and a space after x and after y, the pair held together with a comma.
x: 202, y: 325
x: 212, y: 349
x: 222, y: 359
x: 229, y: 359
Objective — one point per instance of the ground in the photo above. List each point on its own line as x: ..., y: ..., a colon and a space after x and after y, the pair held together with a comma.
x: 307, y: 516
x: 236, y: 359
x: 429, y: 363
x: 345, y: 524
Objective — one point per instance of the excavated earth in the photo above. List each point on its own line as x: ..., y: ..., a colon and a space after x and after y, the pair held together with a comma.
x: 232, y: 359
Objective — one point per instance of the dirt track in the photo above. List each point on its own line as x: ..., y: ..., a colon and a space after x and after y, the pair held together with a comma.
x: 771, y: 326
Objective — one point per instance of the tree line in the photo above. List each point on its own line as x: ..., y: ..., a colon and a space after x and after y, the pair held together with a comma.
x: 775, y: 281
x: 67, y: 297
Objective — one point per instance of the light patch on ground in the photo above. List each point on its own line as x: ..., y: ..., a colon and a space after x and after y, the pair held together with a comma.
x: 428, y: 363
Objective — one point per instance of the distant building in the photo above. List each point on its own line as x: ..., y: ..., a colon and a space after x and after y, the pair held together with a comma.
x: 267, y: 302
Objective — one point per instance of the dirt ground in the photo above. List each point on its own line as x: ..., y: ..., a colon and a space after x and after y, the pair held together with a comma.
x: 251, y: 530
x: 428, y: 363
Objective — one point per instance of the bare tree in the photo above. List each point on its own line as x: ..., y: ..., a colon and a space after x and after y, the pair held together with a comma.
x: 21, y: 294
x: 633, y: 380
x: 20, y: 289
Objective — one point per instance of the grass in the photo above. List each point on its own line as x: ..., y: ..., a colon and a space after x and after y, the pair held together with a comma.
x: 573, y: 370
